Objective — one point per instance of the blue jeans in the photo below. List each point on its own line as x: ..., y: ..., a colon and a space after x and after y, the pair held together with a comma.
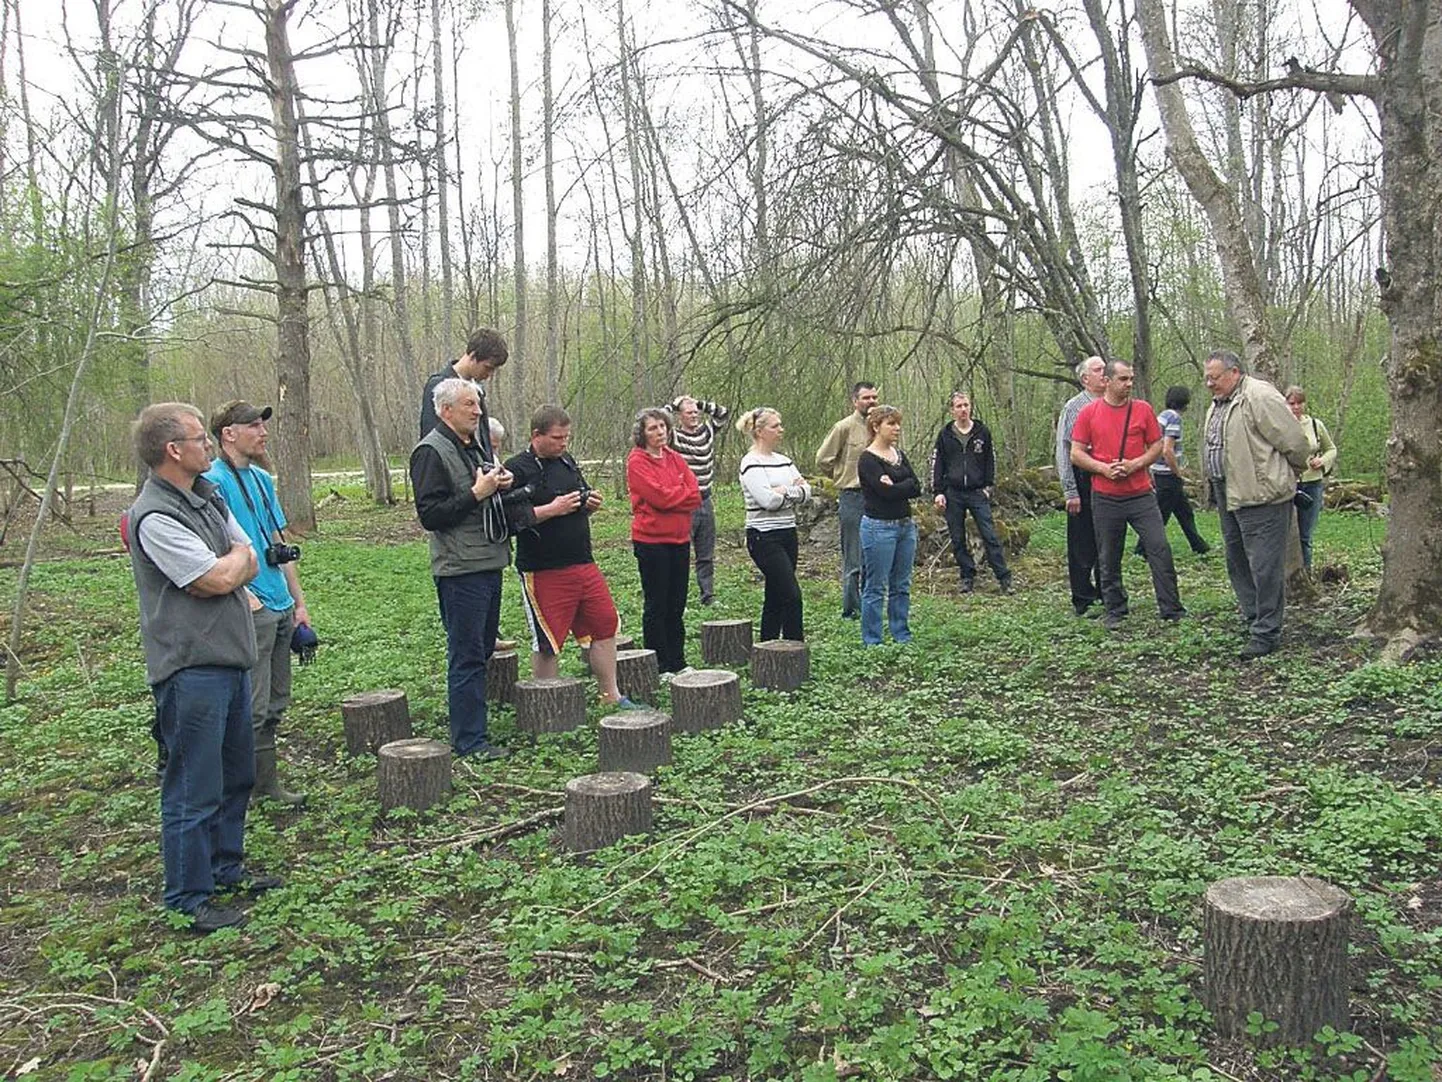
x: 202, y: 715
x: 1307, y: 517
x: 471, y: 612
x: 888, y: 551
x: 848, y: 512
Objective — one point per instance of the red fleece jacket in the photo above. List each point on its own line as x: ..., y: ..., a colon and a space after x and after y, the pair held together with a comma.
x: 663, y: 495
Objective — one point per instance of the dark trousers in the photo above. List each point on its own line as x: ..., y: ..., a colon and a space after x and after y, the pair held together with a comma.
x: 774, y: 553
x: 1081, y: 550
x: 703, y: 545
x: 1111, y: 516
x: 958, y: 502
x: 1172, y: 500
x: 1256, y: 547
x: 665, y: 570
x: 471, y: 612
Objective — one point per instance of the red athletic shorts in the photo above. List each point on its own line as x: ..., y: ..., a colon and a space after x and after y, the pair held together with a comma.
x: 565, y: 601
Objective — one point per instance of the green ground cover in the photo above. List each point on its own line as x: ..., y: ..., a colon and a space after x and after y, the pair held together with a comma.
x: 977, y: 857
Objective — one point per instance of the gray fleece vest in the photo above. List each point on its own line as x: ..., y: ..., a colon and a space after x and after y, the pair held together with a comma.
x: 181, y: 631
x: 465, y: 547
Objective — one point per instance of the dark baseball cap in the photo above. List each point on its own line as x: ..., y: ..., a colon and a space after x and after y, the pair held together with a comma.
x: 237, y: 412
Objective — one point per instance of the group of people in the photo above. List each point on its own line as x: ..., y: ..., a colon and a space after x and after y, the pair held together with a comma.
x: 1264, y: 460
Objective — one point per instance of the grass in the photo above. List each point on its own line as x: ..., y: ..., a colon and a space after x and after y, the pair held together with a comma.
x: 990, y: 866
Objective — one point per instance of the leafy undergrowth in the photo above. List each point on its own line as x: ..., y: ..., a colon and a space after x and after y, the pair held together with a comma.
x: 980, y: 856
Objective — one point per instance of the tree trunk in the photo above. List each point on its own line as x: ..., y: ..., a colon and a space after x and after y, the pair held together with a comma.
x: 550, y: 705
x: 548, y: 150
x: 708, y: 699
x: 442, y: 181
x: 601, y: 809
x: 386, y: 150
x: 503, y: 670
x: 373, y: 718
x: 780, y: 664
x: 413, y: 773
x: 636, y: 674
x: 518, y: 337
x: 726, y: 642
x: 634, y: 740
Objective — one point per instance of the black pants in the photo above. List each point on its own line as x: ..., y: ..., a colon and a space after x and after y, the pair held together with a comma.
x: 665, y: 577
x: 1172, y: 500
x: 958, y: 502
x: 1081, y: 550
x: 1111, y: 516
x: 774, y: 553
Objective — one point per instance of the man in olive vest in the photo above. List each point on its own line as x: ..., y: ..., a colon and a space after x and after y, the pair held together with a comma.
x: 458, y: 482
x: 192, y: 562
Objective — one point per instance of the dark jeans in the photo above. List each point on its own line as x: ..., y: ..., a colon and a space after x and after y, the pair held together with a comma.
x: 849, y: 507
x: 203, y: 717
x: 1307, y: 517
x: 471, y: 612
x: 958, y: 502
x: 1256, y: 546
x: 664, y: 571
x: 703, y: 544
x: 774, y: 553
x: 1172, y: 500
x: 1111, y: 516
x: 1081, y: 550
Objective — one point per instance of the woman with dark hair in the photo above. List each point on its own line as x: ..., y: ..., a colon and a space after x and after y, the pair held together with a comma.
x: 663, y: 495
x: 1321, y: 458
x: 888, y: 533
x: 1167, y: 476
x: 773, y: 488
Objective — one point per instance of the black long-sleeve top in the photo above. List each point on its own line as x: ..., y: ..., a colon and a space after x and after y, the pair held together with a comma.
x: 439, y: 505
x: 964, y: 462
x: 891, y: 501
x: 563, y: 541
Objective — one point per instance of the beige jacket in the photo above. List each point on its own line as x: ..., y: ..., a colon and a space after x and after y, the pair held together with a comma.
x: 1263, y: 447
x: 842, y: 449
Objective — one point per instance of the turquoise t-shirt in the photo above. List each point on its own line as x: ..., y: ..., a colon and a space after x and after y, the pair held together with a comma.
x: 260, y: 517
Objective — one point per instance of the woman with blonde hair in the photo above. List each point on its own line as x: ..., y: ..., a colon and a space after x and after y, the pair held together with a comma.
x: 773, y: 488
x: 1321, y: 457
x: 888, y: 533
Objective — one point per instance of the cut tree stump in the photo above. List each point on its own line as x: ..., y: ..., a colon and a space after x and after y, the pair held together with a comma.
x: 502, y: 672
x: 726, y: 642
x: 705, y: 699
x: 637, y: 674
x: 780, y: 664
x: 413, y: 773
x: 373, y: 718
x: 1276, y: 945
x: 636, y: 740
x: 554, y: 704
x: 623, y: 642
x: 601, y: 809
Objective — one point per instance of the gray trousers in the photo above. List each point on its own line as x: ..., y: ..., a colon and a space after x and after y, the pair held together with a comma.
x: 703, y: 545
x: 1255, y: 539
x: 849, y: 505
x: 1110, y: 517
x: 270, y: 679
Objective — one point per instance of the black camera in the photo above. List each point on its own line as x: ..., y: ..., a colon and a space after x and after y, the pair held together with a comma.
x: 585, y: 493
x: 278, y: 554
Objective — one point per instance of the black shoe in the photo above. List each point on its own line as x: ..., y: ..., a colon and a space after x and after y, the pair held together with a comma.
x: 1174, y: 617
x: 1112, y: 620
x: 1005, y: 586
x: 1089, y: 611
x: 1255, y: 649
x: 209, y: 917
x: 251, y: 883
x: 707, y: 600
x: 1202, y: 550
x: 486, y: 752
x: 967, y: 586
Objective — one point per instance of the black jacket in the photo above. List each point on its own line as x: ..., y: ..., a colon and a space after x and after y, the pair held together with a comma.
x: 958, y: 463
x: 563, y: 541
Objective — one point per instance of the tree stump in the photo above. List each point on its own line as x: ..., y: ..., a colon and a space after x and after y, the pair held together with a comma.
x: 501, y: 673
x: 705, y: 699
x: 601, y: 809
x: 635, y: 740
x: 780, y: 664
x: 1276, y: 945
x: 637, y: 674
x: 726, y: 642
x: 550, y: 705
x: 623, y: 642
x: 373, y: 718
x: 413, y: 773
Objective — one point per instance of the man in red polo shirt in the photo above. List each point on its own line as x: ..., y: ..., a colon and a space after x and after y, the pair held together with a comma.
x: 1116, y: 439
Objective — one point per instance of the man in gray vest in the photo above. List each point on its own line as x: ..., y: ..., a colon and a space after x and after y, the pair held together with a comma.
x: 458, y: 482
x: 192, y: 562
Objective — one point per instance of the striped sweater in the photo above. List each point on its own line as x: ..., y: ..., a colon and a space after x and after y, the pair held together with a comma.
x: 767, y: 509
x: 699, y: 448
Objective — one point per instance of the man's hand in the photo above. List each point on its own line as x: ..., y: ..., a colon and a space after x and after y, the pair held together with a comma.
x: 593, y: 500
x: 1315, y: 462
x: 302, y: 614
x: 485, y: 484
x: 940, y: 501
x: 1073, y: 506
x: 504, y: 478
x: 564, y: 504
x: 886, y: 479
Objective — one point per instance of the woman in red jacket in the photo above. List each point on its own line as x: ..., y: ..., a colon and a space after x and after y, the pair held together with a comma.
x: 663, y: 495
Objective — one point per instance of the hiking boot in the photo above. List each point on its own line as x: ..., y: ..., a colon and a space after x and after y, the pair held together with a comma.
x: 209, y: 917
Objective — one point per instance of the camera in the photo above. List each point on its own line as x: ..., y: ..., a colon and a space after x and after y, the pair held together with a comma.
x: 278, y: 554
x: 585, y: 493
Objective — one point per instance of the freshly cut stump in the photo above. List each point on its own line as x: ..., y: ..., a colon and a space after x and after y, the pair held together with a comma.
x: 636, y: 740
x: 1276, y: 945
x: 726, y: 642
x: 705, y: 699
x: 623, y: 642
x: 501, y: 673
x: 601, y: 809
x: 637, y: 674
x: 554, y: 704
x: 413, y: 773
x: 373, y: 718
x: 780, y: 664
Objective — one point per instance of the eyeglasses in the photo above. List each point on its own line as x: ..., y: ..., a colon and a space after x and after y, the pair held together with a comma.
x: 202, y: 438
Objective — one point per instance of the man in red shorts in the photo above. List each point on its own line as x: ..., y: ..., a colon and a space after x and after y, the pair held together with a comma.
x: 563, y: 591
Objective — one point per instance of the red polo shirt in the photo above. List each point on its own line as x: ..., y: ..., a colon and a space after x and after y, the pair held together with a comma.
x: 1099, y: 430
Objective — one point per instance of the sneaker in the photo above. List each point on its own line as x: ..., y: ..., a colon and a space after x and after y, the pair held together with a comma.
x: 209, y: 917
x: 1112, y: 620
x: 251, y: 883
x: 624, y: 703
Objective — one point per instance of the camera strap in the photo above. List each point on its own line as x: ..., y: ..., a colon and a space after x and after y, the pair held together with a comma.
x: 245, y: 495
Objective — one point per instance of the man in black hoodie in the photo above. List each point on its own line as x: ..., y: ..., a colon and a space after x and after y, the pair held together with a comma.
x: 963, y: 470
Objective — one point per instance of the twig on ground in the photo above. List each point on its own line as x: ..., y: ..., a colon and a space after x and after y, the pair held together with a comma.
x: 836, y: 916
x: 491, y: 834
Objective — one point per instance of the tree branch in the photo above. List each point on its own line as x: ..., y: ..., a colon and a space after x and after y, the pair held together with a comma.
x: 1325, y: 82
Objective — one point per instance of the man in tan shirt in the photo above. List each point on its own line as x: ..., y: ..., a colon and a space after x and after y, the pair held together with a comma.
x: 837, y: 459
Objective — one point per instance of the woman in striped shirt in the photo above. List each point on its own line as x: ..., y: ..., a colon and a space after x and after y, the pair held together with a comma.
x: 773, y: 488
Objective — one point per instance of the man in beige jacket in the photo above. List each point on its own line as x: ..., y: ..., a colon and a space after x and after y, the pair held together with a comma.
x: 837, y: 458
x: 1253, y: 451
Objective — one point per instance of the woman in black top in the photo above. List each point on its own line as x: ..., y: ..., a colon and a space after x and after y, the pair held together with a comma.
x: 888, y: 534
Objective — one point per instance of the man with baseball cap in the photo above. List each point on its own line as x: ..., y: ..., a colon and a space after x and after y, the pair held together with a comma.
x: 277, y: 601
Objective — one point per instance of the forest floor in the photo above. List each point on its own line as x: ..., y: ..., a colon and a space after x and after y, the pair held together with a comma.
x: 979, y: 856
